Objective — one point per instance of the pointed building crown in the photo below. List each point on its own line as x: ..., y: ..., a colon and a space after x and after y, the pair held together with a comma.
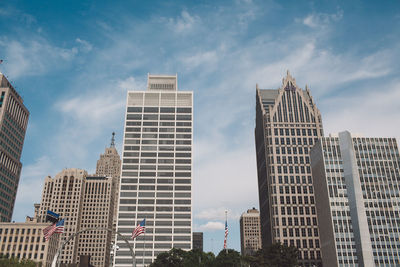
x: 113, y: 140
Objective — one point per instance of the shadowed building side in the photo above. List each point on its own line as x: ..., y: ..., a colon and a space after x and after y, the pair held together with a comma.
x: 13, y: 124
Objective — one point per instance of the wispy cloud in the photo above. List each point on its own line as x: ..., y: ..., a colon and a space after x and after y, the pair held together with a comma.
x: 184, y: 23
x: 210, y: 226
x: 318, y: 20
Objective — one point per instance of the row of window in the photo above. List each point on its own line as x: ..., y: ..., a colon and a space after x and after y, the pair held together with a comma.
x: 156, y: 117
x: 157, y: 110
x: 161, y: 142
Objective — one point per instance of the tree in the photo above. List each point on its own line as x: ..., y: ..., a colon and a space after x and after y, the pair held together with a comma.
x: 172, y: 258
x: 14, y: 262
x: 228, y: 258
x: 275, y: 255
x: 198, y: 258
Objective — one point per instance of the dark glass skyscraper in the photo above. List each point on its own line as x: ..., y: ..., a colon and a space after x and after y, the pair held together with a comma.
x: 288, y: 124
x: 13, y: 123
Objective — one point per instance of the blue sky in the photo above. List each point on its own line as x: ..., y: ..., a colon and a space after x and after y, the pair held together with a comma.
x: 73, y: 61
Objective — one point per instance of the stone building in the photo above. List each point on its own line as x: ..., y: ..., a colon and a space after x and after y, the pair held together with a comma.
x: 288, y: 123
x: 25, y: 240
x: 84, y: 202
x: 250, y: 232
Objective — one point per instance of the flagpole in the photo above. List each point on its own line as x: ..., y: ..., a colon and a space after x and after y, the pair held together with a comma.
x: 226, y: 221
x: 144, y: 246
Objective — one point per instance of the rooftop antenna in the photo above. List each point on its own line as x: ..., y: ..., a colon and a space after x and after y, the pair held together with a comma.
x: 113, y: 140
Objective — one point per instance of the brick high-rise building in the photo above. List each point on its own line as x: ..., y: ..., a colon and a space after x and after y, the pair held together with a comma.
x: 84, y: 202
x: 156, y: 178
x: 358, y: 200
x: 288, y: 123
x: 13, y: 123
x: 250, y: 232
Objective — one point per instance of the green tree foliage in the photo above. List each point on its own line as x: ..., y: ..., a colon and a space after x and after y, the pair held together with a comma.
x: 228, y: 258
x: 14, y: 262
x: 197, y: 258
x: 275, y: 255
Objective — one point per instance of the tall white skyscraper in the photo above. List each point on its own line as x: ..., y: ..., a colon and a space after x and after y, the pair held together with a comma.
x: 156, y: 177
x: 358, y: 200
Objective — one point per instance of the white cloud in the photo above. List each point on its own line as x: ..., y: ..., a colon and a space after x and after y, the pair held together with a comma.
x: 210, y: 226
x: 31, y: 185
x: 318, y: 20
x: 131, y: 84
x: 34, y: 56
x: 85, y: 45
x: 184, y: 23
x: 209, y: 58
x: 371, y: 113
x: 217, y: 214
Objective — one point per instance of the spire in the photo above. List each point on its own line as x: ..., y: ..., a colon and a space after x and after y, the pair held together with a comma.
x: 113, y: 140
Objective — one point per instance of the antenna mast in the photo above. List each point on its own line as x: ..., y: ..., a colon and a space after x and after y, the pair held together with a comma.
x: 113, y: 140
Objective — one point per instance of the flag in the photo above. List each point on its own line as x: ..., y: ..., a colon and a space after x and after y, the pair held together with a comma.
x: 49, y: 231
x: 59, y: 227
x: 52, y: 216
x: 140, y: 229
x: 55, y: 228
x: 226, y: 233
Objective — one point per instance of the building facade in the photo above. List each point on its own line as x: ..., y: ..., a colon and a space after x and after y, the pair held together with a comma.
x: 84, y: 202
x: 358, y: 200
x: 97, y: 212
x: 26, y: 241
x: 109, y: 165
x: 197, y: 240
x: 250, y: 232
x: 288, y: 123
x: 13, y: 123
x: 156, y: 178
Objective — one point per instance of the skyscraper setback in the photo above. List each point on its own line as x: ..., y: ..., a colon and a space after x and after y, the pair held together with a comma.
x: 288, y: 123
x: 156, y: 170
x: 13, y: 123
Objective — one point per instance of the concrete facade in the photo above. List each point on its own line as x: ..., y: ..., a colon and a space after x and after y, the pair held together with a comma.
x: 250, y: 232
x: 84, y: 202
x: 13, y: 123
x: 156, y: 178
x: 288, y: 123
x: 25, y: 240
x: 109, y: 165
x: 359, y: 200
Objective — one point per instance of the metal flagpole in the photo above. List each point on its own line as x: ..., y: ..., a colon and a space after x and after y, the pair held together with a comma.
x: 144, y: 246
x: 226, y: 237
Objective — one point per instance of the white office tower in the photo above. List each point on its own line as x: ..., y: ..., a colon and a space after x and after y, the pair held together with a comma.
x: 358, y: 202
x: 156, y: 175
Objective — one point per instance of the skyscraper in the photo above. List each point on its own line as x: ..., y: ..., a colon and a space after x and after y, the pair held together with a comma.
x: 250, y: 232
x: 358, y: 200
x: 84, y: 202
x: 13, y: 123
x: 156, y: 170
x: 288, y: 123
x: 109, y: 165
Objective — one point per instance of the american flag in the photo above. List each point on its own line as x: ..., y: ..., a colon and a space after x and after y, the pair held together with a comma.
x: 226, y: 233
x: 57, y: 228
x: 140, y: 229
